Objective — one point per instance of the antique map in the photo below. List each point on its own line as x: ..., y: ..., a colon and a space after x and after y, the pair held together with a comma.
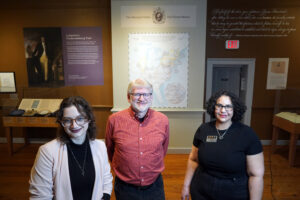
x: 162, y: 59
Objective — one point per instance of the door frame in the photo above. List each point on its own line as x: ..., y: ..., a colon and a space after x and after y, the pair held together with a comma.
x: 250, y: 62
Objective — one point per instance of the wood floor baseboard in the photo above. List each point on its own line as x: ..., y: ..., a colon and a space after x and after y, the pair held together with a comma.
x: 171, y: 150
x: 21, y: 140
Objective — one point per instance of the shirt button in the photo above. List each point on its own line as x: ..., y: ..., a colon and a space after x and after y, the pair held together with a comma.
x: 140, y: 124
x: 142, y: 179
x: 141, y: 153
x: 141, y: 138
x: 142, y: 167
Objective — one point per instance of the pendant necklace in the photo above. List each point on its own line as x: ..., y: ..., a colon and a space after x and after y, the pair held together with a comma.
x: 83, y: 164
x: 221, y: 137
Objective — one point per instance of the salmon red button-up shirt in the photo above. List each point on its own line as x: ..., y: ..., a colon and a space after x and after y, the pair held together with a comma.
x: 137, y: 149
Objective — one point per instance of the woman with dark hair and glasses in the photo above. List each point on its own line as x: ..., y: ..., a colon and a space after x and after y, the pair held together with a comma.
x: 75, y: 164
x: 226, y: 161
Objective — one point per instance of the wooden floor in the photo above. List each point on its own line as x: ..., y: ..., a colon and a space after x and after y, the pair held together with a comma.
x: 281, y: 181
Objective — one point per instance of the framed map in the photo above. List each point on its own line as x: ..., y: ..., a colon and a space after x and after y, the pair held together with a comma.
x: 162, y: 59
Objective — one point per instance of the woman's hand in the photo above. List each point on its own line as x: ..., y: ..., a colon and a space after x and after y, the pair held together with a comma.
x: 105, y: 196
x: 190, y: 170
x: 185, y: 193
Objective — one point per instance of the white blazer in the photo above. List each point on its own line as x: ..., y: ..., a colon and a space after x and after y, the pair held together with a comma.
x: 50, y: 173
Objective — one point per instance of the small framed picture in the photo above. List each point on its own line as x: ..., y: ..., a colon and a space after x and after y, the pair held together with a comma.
x: 277, y: 73
x: 8, y: 82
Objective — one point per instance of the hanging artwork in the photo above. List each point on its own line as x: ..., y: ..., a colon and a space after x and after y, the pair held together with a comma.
x: 7, y: 82
x: 63, y: 56
x: 277, y: 73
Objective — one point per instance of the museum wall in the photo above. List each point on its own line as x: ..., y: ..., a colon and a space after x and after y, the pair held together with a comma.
x: 16, y: 15
x: 184, y: 121
x: 278, y: 40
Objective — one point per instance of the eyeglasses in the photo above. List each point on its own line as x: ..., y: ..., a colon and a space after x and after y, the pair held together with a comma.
x: 66, y: 122
x: 227, y: 107
x: 138, y: 95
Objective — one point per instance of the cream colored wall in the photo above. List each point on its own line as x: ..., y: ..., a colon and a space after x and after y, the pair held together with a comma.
x: 183, y: 122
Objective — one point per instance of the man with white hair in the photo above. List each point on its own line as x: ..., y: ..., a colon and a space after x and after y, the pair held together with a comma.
x: 137, y: 140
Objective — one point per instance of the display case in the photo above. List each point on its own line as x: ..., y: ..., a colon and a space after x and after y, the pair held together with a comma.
x: 287, y: 117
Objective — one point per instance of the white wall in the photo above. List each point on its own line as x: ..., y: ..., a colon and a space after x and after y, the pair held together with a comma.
x: 183, y: 122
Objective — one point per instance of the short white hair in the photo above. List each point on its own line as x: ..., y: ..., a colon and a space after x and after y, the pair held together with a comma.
x: 139, y: 83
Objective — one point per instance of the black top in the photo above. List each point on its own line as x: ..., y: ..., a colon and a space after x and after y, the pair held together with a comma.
x: 82, y: 186
x: 226, y: 158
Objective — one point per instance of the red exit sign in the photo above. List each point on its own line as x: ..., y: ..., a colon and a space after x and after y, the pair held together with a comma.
x: 232, y: 44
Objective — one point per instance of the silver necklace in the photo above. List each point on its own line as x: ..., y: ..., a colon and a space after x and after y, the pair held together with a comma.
x: 221, y: 137
x: 83, y: 165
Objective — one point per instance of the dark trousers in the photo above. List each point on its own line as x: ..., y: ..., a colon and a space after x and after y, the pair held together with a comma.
x: 125, y: 191
x: 207, y: 187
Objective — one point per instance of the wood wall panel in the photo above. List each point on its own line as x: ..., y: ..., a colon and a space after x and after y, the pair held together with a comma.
x: 262, y: 48
x: 15, y: 15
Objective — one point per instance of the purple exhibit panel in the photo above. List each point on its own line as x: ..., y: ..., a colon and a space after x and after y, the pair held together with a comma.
x: 82, y: 55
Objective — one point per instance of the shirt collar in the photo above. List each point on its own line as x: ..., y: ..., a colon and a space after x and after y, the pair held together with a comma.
x: 133, y: 115
x: 233, y: 125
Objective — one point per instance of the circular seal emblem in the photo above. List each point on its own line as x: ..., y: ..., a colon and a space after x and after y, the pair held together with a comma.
x: 158, y: 16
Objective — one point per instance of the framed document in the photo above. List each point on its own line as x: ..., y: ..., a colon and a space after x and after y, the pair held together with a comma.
x: 277, y: 73
x: 7, y: 82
